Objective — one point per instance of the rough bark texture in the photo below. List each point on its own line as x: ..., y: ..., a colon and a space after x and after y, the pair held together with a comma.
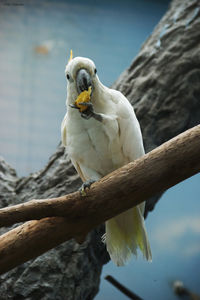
x: 163, y: 85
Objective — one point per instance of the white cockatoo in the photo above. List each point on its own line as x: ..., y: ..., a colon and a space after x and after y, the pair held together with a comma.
x: 100, y: 139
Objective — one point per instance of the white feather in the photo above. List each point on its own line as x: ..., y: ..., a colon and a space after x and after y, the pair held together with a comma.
x: 97, y: 148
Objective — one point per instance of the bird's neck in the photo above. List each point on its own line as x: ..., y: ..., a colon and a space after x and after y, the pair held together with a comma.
x: 99, y: 93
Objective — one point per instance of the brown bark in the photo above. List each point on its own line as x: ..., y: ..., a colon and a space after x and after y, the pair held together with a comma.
x: 156, y: 171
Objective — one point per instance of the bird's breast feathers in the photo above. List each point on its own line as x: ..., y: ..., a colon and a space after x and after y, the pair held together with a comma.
x: 91, y: 143
x: 107, y: 145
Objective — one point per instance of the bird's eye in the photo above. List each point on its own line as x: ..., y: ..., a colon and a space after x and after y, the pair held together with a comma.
x: 68, y: 77
x: 95, y: 71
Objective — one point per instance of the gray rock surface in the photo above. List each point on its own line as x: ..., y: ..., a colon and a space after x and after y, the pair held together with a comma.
x: 61, y: 273
x: 163, y: 84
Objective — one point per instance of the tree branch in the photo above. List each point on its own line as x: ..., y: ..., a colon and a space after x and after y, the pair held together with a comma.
x: 74, y: 205
x: 126, y: 187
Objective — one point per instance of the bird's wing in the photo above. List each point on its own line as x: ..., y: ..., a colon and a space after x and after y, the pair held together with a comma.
x: 129, y: 128
x: 130, y: 133
x: 64, y: 131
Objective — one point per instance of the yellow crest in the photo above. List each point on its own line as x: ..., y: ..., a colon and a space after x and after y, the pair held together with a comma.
x: 71, y: 56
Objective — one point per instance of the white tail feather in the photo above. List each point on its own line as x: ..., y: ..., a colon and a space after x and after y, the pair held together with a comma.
x: 124, y: 234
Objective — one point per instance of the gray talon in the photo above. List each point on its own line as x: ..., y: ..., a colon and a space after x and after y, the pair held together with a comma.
x: 89, y: 104
x: 73, y: 106
x: 89, y: 112
x: 87, y: 116
x: 86, y: 185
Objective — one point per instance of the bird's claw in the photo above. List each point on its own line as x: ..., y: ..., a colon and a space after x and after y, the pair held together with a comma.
x: 84, y: 186
x: 89, y: 112
x: 87, y: 115
x: 88, y: 104
x: 73, y: 106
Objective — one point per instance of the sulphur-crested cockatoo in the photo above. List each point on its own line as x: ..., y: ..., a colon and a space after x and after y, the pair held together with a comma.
x: 100, y: 139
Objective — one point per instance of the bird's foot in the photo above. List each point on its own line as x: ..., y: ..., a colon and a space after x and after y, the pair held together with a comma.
x: 89, y: 112
x: 73, y: 106
x: 86, y: 185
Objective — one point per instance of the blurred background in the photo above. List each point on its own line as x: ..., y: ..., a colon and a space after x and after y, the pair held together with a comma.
x: 35, y: 42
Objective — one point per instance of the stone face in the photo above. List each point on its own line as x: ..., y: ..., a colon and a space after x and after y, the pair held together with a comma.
x: 163, y: 85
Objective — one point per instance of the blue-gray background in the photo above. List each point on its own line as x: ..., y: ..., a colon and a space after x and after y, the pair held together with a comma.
x: 35, y: 42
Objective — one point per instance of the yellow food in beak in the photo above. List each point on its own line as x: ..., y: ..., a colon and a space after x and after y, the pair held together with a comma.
x: 83, y: 97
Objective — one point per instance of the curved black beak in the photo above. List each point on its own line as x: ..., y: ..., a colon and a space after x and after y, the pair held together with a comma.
x: 83, y: 80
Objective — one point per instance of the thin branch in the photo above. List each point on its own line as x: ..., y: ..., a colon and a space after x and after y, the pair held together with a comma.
x: 122, y: 288
x: 126, y: 187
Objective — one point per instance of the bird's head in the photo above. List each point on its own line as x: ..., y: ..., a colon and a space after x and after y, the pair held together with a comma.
x: 81, y: 74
